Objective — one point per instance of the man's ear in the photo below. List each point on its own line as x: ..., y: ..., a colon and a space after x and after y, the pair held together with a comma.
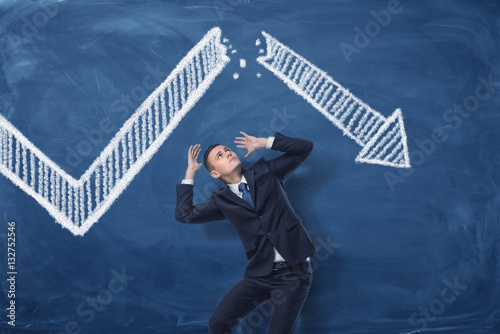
x: 215, y: 174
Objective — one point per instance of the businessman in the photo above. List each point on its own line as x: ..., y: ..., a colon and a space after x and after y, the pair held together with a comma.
x: 275, y: 242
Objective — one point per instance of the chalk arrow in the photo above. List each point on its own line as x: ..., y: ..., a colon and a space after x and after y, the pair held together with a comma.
x: 383, y: 139
x: 78, y: 204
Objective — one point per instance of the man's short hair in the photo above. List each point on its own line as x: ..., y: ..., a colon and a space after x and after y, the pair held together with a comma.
x: 208, y: 166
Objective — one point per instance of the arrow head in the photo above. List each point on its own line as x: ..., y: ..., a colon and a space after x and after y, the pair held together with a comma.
x: 389, y: 146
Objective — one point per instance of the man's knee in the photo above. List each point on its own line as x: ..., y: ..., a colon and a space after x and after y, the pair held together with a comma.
x: 215, y: 323
x: 219, y: 324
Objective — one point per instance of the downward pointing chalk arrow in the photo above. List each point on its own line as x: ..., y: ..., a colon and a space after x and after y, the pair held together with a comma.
x: 383, y: 140
x: 78, y: 204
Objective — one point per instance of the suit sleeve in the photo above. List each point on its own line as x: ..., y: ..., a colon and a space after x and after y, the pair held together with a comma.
x: 296, y: 151
x: 187, y: 213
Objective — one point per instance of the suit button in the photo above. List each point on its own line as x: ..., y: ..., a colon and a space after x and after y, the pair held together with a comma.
x: 268, y: 234
x: 260, y: 217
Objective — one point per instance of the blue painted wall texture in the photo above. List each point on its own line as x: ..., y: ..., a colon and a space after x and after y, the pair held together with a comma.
x: 402, y: 250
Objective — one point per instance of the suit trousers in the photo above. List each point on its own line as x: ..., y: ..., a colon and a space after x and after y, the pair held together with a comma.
x: 287, y: 288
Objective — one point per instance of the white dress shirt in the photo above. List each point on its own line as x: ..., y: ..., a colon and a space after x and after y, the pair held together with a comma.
x: 234, y: 188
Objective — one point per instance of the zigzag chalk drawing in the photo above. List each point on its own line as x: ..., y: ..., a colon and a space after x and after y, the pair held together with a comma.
x: 383, y: 140
x: 78, y: 204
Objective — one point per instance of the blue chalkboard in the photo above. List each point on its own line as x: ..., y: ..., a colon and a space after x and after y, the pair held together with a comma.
x: 100, y: 101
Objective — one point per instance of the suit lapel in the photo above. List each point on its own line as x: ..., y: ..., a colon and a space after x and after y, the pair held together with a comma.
x: 250, y: 176
x: 228, y: 194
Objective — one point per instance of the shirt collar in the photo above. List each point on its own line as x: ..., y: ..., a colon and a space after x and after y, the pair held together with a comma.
x: 234, y: 187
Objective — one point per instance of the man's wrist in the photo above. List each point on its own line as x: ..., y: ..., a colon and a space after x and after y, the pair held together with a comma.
x: 263, y: 142
x: 269, y: 142
x: 190, y: 174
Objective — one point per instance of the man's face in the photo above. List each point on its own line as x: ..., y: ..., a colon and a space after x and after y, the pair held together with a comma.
x: 224, y: 161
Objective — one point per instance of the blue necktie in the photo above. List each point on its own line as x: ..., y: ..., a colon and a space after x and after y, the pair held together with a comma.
x: 246, y: 194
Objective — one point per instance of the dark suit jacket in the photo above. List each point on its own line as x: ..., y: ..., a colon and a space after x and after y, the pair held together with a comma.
x: 273, y: 222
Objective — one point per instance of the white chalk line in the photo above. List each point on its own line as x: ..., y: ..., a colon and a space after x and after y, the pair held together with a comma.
x: 78, y: 204
x: 304, y: 78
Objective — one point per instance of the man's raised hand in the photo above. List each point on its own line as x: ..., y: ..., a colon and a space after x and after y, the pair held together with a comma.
x: 250, y: 143
x: 193, y: 165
